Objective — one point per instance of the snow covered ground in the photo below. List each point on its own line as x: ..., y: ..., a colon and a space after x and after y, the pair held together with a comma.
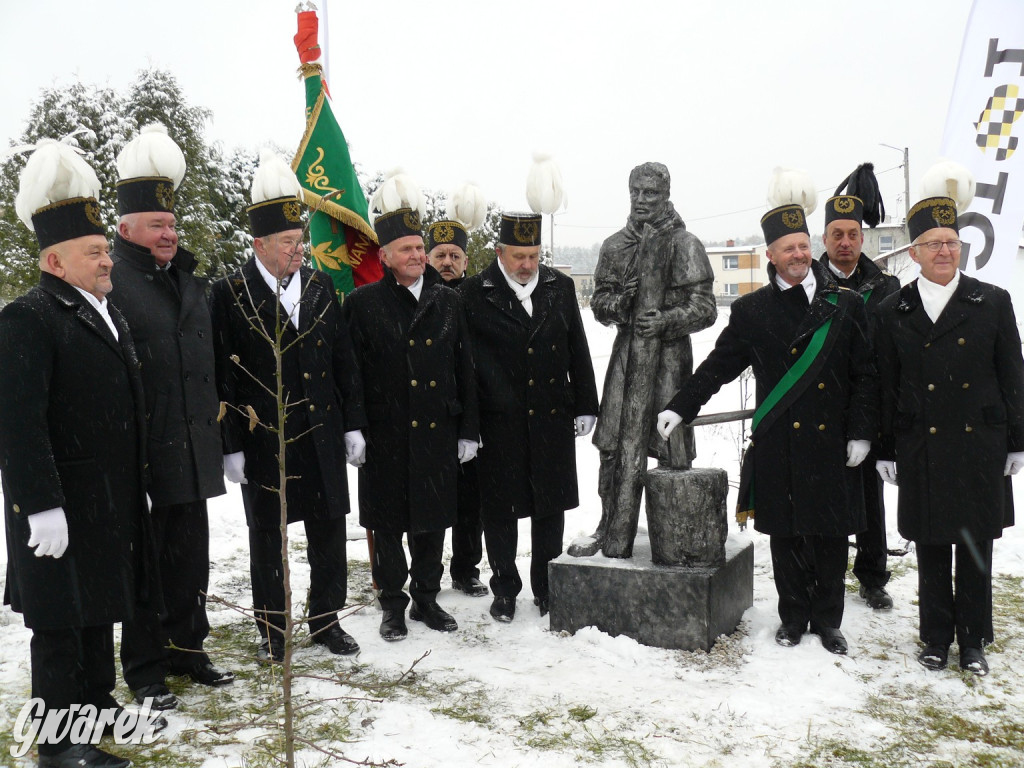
x: 520, y: 695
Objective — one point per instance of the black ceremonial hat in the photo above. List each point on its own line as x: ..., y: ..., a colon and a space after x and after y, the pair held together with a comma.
x: 520, y: 229
x: 446, y: 232
x: 276, y: 215
x: 145, y: 194
x: 66, y: 220
x: 784, y: 220
x: 402, y: 222
x: 844, y: 207
x: 930, y: 213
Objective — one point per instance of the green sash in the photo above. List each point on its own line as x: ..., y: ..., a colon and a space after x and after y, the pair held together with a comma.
x: 781, y: 388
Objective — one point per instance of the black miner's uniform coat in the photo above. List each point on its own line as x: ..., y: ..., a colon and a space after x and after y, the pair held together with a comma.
x: 802, y: 485
x: 319, y: 376
x: 72, y: 431
x: 534, y: 376
x: 952, y: 408
x: 417, y: 370
x: 174, y: 341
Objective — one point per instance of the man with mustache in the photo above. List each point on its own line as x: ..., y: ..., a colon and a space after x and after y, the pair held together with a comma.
x: 446, y: 250
x: 810, y: 431
x: 852, y: 269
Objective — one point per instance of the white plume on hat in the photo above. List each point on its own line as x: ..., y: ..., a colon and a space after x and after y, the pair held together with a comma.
x: 467, y: 206
x: 398, y: 190
x: 54, y: 172
x: 544, y: 190
x: 273, y: 178
x: 948, y: 178
x: 152, y: 153
x: 791, y: 186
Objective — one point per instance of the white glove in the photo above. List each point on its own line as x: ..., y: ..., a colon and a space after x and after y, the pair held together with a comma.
x: 1014, y: 463
x: 467, y: 450
x: 584, y: 424
x: 857, y: 451
x: 887, y: 469
x: 355, y: 448
x: 667, y: 421
x: 49, y: 532
x: 234, y: 467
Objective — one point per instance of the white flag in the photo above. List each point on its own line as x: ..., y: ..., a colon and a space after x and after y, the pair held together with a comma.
x: 985, y: 131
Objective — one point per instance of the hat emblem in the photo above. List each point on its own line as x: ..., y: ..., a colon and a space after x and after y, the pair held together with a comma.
x: 292, y: 212
x: 92, y: 213
x: 844, y: 205
x: 944, y: 216
x: 164, y: 194
x: 411, y: 220
x: 525, y: 232
x: 793, y: 219
x: 444, y: 233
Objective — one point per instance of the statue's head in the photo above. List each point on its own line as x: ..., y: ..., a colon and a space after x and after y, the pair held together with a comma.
x: 649, y: 186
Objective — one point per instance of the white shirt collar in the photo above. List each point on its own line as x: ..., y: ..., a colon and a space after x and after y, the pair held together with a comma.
x: 290, y: 294
x: 101, y: 306
x: 838, y: 272
x: 809, y: 284
x: 416, y: 288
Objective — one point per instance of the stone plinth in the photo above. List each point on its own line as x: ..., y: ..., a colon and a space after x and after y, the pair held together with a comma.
x: 686, y: 515
x: 665, y: 606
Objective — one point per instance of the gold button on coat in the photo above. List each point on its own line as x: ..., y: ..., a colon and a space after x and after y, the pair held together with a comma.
x: 412, y: 342
x: 931, y: 387
x: 306, y: 376
x: 796, y: 425
x: 429, y: 342
x: 413, y: 382
x: 932, y: 430
x: 415, y: 423
x: 821, y: 427
x: 821, y: 385
x: 961, y: 341
x: 968, y: 428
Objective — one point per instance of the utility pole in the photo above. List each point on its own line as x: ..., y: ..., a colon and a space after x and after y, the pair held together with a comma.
x: 906, y: 176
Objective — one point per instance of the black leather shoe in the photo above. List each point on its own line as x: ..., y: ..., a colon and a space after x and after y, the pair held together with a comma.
x: 434, y: 616
x: 392, y: 626
x: 503, y: 609
x: 876, y: 597
x: 337, y: 640
x: 161, y: 697
x: 934, y: 657
x: 832, y: 640
x: 789, y: 635
x: 471, y: 586
x: 270, y: 653
x: 543, y: 604
x: 83, y: 756
x: 207, y: 674
x: 973, y: 660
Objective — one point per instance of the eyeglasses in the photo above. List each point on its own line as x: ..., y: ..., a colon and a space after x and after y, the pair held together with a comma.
x: 936, y: 245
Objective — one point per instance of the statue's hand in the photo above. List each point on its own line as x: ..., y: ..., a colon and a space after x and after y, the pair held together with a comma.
x: 650, y: 323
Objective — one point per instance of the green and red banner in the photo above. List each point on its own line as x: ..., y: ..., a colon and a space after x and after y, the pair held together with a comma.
x: 342, y: 241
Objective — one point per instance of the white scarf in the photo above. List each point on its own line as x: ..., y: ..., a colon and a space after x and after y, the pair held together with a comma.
x: 290, y: 294
x: 522, y: 292
x: 935, y: 297
x: 101, y: 306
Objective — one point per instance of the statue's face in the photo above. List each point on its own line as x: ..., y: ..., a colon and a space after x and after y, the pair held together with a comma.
x: 647, y: 198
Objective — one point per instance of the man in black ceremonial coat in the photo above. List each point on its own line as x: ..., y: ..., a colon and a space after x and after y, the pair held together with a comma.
x: 801, y: 465
x: 165, y: 306
x: 537, y: 394
x: 446, y: 251
x: 320, y: 382
x: 72, y: 432
x: 410, y: 339
x: 952, y: 381
x: 852, y: 269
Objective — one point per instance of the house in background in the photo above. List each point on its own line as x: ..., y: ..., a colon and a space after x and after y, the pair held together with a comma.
x: 738, y: 269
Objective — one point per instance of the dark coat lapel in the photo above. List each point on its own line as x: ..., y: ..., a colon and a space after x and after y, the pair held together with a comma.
x: 68, y: 296
x: 820, y: 310
x: 957, y: 309
x: 543, y: 300
x: 498, y: 293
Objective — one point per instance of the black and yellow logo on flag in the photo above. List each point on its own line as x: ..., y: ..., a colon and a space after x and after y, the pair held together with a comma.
x: 1004, y: 108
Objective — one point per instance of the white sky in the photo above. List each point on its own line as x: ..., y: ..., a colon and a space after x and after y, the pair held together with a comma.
x: 454, y: 90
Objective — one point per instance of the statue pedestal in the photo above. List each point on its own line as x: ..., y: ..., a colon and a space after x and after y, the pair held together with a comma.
x: 665, y: 606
